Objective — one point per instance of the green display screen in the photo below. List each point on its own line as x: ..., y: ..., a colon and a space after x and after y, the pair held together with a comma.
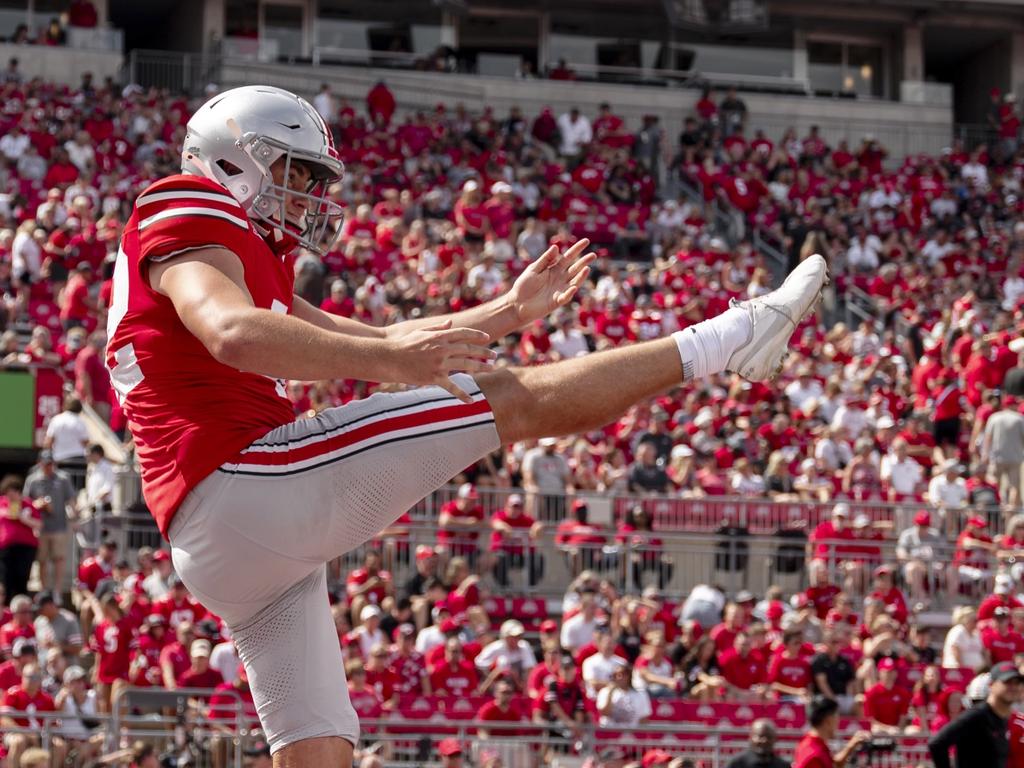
x: 17, y: 409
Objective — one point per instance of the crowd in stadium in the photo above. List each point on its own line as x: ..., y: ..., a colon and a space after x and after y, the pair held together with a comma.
x: 443, y: 210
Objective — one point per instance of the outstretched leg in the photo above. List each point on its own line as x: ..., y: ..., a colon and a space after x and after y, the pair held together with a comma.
x: 587, y: 392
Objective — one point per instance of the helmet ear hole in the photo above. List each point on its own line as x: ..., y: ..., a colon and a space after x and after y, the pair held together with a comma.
x: 229, y: 168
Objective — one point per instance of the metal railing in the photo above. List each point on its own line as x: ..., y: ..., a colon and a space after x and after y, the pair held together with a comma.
x: 178, y: 72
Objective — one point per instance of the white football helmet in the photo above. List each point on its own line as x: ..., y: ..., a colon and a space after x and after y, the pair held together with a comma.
x: 237, y: 135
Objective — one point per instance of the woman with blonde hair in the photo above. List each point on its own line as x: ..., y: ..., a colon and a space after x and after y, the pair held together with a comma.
x: 963, y: 647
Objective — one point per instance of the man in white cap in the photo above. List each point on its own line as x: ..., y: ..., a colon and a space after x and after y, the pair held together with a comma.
x: 509, y: 656
x: 902, y: 475
x: 804, y: 388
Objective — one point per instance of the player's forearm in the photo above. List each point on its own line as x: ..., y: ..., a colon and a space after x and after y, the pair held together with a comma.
x: 496, y: 318
x: 286, y: 347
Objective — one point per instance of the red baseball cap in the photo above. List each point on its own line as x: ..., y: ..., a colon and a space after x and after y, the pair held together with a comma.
x: 774, y: 611
x: 161, y: 555
x: 977, y: 522
x: 449, y: 625
x: 885, y: 664
x: 923, y: 518
x: 424, y: 552
x: 549, y: 625
x: 449, y: 748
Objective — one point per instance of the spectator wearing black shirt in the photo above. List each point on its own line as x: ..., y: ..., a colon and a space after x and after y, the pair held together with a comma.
x: 832, y: 673
x: 761, y: 753
x: 657, y: 435
x: 646, y: 475
x: 734, y: 113
x: 980, y: 734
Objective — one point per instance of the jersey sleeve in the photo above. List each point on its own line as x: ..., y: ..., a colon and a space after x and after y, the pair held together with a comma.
x: 182, y: 213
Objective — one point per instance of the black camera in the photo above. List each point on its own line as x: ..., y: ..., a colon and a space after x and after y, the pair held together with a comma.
x: 877, y: 745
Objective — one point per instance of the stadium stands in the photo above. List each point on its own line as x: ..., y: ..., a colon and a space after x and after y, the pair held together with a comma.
x: 857, y: 501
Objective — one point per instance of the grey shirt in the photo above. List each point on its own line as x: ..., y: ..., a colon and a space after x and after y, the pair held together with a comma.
x: 61, y: 630
x: 58, y: 487
x: 913, y: 546
x: 1005, y: 433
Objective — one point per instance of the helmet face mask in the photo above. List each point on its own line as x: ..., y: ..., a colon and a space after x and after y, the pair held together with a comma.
x: 237, y: 137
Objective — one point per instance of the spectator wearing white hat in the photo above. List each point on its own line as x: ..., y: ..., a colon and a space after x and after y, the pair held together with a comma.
x: 510, y: 656
x: 546, y: 473
x: 922, y: 552
x: 369, y: 633
x: 77, y: 704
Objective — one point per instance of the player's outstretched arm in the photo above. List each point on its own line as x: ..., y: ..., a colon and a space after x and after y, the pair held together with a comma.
x: 548, y: 283
x: 207, y: 287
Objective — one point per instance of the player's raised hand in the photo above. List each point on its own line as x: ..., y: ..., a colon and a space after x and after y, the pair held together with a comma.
x: 428, y: 356
x: 550, y: 282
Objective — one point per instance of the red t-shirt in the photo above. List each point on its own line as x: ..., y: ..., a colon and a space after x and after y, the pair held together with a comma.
x: 188, y: 412
x: 92, y: 571
x: 408, y: 672
x: 459, y: 682
x: 1002, y: 647
x: 224, y: 704
x: 17, y: 700
x: 175, y: 611
x: 10, y: 675
x: 822, y: 597
x: 795, y: 673
x: 12, y: 530
x: 491, y: 713
x: 1016, y: 759
x: 744, y: 673
x: 177, y: 655
x: 383, y: 681
x: 886, y: 705
x: 145, y: 662
x: 521, y: 522
x: 211, y: 678
x: 723, y: 636
x: 75, y: 294
x: 112, y: 643
x: 360, y: 576
x: 812, y: 752
x: 462, y: 536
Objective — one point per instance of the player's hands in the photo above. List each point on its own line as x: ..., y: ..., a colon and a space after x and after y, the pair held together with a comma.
x: 428, y: 356
x: 550, y: 282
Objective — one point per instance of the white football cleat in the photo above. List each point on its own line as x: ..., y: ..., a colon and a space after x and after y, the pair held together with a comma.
x: 774, y: 317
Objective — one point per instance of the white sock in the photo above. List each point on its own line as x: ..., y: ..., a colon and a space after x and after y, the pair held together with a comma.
x: 706, y: 347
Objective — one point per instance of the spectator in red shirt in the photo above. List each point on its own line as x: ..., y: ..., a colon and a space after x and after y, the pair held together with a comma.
x: 111, y: 642
x: 24, y: 652
x: 503, y: 709
x: 338, y: 302
x: 19, y: 535
x: 200, y: 674
x: 460, y: 522
x: 407, y: 663
x: 20, y: 626
x: 28, y: 697
x: 1002, y: 597
x: 92, y: 380
x: 76, y: 304
x: 228, y: 697
x: 145, y: 656
x: 365, y: 699
x: 580, y: 540
x: 886, y: 704
x: 1001, y: 641
x: 890, y: 595
x: 821, y: 592
x: 381, y: 677
x: 368, y: 585
x: 178, y: 606
x: 743, y: 670
x: 789, y: 672
x: 380, y: 102
x: 175, y: 658
x: 560, y: 700
x: 724, y: 634
x: 829, y: 537
x: 514, y: 532
x: 456, y: 676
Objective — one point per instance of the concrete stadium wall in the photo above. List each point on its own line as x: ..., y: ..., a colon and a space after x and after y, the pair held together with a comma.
x: 62, y: 65
x: 902, y: 128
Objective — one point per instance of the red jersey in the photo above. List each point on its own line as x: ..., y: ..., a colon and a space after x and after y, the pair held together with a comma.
x: 409, y: 672
x: 822, y: 597
x: 145, y: 663
x: 10, y: 632
x: 175, y: 611
x: 384, y: 681
x: 92, y: 571
x: 988, y: 606
x: 459, y: 681
x: 211, y: 678
x: 17, y: 700
x: 360, y: 576
x: 492, y: 713
x: 188, y: 412
x: 112, y: 643
x: 886, y: 705
x: 177, y: 655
